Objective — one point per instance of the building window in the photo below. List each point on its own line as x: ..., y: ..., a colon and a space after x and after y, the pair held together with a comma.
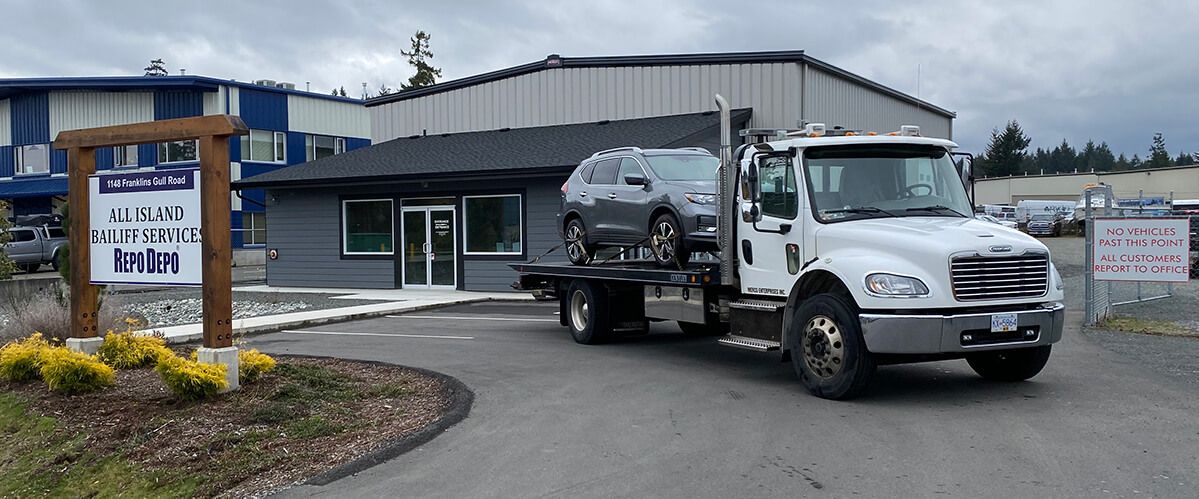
x: 322, y: 146
x: 367, y: 227
x: 32, y: 159
x: 492, y: 224
x: 175, y: 152
x: 253, y: 227
x: 124, y: 156
x: 264, y: 146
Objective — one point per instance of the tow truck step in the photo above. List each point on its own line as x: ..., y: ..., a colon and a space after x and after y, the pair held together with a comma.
x: 748, y: 343
x: 756, y: 305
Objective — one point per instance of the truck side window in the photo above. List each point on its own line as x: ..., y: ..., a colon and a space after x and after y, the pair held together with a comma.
x: 22, y: 236
x: 776, y: 179
x: 605, y: 172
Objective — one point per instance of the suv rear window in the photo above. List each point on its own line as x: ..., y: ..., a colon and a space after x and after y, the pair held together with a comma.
x: 587, y: 171
x: 605, y: 172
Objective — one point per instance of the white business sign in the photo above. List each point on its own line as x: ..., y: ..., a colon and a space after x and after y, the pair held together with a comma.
x: 1141, y: 249
x: 145, y: 228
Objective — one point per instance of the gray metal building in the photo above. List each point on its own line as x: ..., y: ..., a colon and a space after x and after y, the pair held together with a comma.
x: 464, y: 176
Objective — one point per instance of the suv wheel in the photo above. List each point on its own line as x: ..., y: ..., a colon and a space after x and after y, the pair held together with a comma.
x: 666, y: 242
x: 576, y: 243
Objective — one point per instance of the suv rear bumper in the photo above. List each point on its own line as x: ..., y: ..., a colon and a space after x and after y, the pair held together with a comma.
x: 936, y: 333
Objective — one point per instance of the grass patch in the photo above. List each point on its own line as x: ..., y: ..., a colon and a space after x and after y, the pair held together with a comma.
x: 1144, y: 326
x: 273, y: 413
x: 390, y: 390
x: 37, y: 459
x: 307, y: 384
x: 313, y: 427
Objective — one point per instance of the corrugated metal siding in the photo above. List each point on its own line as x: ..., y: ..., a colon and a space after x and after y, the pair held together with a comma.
x: 576, y: 95
x: 234, y: 100
x: 5, y: 123
x: 325, y: 117
x: 30, y: 119
x: 295, y: 153
x: 7, y: 168
x: 75, y: 110
x: 263, y: 110
x: 305, y: 227
x: 104, y: 158
x: 174, y: 104
x: 355, y: 143
x: 214, y: 102
x: 58, y: 161
x: 147, y: 155
x: 836, y: 101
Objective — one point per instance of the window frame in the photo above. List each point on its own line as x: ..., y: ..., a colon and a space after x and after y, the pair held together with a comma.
x: 339, y: 145
x: 120, y: 156
x: 278, y: 147
x: 520, y: 208
x: 161, y: 151
x: 391, y: 212
x: 789, y: 167
x: 19, y: 162
x: 252, y: 228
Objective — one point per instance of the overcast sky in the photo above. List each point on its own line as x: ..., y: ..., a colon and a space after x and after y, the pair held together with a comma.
x: 1108, y: 71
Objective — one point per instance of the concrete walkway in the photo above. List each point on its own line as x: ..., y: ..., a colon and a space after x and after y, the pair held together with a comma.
x: 393, y: 301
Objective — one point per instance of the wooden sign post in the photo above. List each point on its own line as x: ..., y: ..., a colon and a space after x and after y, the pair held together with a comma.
x: 213, y: 133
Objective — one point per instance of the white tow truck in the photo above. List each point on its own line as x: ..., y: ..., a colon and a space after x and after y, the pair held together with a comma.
x: 840, y: 251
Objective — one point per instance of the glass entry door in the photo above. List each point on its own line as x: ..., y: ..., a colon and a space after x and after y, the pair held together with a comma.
x: 429, y: 249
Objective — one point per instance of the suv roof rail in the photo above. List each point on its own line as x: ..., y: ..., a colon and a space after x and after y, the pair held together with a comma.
x: 696, y: 149
x: 616, y: 149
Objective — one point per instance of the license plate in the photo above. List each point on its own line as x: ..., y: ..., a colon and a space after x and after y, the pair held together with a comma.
x: 1003, y: 323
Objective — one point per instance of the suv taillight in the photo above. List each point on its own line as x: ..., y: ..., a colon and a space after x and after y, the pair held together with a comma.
x: 565, y: 189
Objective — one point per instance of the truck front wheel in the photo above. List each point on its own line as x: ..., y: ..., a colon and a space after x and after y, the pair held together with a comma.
x: 827, y: 349
x: 587, y: 312
x: 1010, y: 365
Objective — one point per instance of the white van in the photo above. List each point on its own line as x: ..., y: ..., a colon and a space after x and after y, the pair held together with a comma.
x: 1030, y: 207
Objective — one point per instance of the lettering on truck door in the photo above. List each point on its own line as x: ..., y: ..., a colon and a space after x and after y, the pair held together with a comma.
x: 770, y: 247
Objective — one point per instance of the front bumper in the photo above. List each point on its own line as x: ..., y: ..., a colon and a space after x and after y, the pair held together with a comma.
x: 930, y: 334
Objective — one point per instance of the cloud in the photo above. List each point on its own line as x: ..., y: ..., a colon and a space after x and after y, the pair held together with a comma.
x: 1113, y: 71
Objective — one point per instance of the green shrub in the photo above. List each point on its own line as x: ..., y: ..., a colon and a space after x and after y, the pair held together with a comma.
x: 189, y: 379
x: 251, y: 364
x: 129, y: 351
x: 21, y: 360
x: 73, y: 372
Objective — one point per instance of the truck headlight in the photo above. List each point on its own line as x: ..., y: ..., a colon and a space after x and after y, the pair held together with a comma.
x: 1057, y: 277
x: 895, y: 285
x: 701, y: 198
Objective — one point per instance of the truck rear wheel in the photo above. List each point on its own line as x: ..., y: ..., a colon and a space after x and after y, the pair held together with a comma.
x: 587, y: 316
x: 827, y: 349
x: 1010, y: 365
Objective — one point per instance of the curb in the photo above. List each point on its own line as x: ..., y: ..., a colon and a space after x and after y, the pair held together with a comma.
x: 461, y: 400
x: 303, y: 323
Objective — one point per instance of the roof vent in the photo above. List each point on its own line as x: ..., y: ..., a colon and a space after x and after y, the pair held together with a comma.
x: 265, y: 83
x: 286, y: 85
x: 553, y: 61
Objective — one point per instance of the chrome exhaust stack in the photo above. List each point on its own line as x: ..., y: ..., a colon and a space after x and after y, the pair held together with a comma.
x: 725, y: 200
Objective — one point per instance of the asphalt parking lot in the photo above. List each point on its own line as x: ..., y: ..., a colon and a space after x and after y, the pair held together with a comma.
x: 672, y: 416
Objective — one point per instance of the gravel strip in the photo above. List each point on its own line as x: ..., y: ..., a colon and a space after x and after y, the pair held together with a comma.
x: 161, y: 308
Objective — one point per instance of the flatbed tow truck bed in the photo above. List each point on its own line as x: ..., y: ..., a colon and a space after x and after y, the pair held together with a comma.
x: 537, y: 276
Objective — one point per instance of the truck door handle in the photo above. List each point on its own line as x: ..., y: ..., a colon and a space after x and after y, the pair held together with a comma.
x: 611, y: 195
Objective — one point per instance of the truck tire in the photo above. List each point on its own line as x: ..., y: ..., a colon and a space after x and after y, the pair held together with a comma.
x: 696, y: 329
x: 828, y: 352
x: 667, y: 242
x: 587, y: 312
x: 575, y: 239
x: 1010, y: 365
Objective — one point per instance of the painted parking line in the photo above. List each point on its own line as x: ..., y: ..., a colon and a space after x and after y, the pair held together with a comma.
x: 338, y: 333
x: 471, y: 318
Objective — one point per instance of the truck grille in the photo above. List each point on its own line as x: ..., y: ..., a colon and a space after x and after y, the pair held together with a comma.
x: 999, y: 277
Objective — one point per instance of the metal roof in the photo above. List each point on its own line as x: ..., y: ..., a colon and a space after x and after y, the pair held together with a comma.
x: 515, y: 151
x: 14, y: 86
x: 556, y: 61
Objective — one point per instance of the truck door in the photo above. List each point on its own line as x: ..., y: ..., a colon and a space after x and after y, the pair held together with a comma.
x: 23, y: 246
x: 769, y: 226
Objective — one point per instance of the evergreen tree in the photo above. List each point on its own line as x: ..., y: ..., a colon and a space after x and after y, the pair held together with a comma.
x: 418, y: 58
x: 1135, y: 162
x: 1105, y: 161
x: 1087, y: 157
x: 1063, y: 158
x: 342, y: 91
x: 1184, y: 159
x: 156, y: 68
x: 1006, y: 154
x: 1158, y: 156
x: 1121, y: 163
x: 384, y: 90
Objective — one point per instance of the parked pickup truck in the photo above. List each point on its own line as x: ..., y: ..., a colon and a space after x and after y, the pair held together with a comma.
x: 30, y: 247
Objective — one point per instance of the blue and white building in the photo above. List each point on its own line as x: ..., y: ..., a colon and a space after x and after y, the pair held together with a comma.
x: 288, y: 127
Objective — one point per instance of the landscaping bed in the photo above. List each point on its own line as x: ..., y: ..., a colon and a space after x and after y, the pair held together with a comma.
x: 305, y: 418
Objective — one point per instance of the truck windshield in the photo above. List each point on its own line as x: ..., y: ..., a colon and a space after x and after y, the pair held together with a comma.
x: 684, y: 166
x: 856, y: 182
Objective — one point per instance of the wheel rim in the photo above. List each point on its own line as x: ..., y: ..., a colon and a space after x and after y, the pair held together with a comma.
x: 578, y: 310
x: 823, y: 347
x: 575, y: 250
x: 663, y: 239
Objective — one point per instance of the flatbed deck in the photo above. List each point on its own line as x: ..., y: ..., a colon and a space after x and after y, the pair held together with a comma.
x: 537, y: 275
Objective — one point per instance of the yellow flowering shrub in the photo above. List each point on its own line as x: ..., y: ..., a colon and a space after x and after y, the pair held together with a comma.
x: 189, y: 379
x: 21, y: 360
x: 73, y: 372
x: 251, y: 364
x: 129, y: 351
